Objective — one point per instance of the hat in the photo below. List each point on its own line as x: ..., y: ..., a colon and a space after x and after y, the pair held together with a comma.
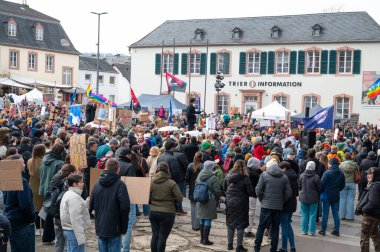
x: 206, y: 145
x: 271, y: 163
x: 247, y: 156
x: 253, y: 162
x: 310, y: 166
x: 333, y: 161
x: 236, y: 139
x: 371, y: 155
x: 209, y: 165
x: 230, y: 154
x: 370, y: 170
x: 124, y: 151
x: 17, y: 122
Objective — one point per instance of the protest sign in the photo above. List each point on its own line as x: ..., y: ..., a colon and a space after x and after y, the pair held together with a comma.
x: 138, y: 189
x: 237, y: 123
x: 10, y: 175
x: 128, y: 123
x: 94, y: 177
x: 162, y: 123
x: 78, y: 156
x: 101, y: 114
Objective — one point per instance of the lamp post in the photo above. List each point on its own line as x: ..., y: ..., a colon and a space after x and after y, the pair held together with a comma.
x: 97, y: 55
x: 218, y: 87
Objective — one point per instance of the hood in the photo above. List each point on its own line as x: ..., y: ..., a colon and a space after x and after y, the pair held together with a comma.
x: 51, y: 157
x: 205, y: 174
x: 108, y: 178
x: 23, y: 147
x: 234, y: 178
x: 334, y: 167
x: 124, y: 159
x: 275, y: 171
x: 161, y: 177
x: 309, y: 173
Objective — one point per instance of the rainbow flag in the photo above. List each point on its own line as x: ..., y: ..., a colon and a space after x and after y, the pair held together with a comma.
x: 89, y: 90
x: 199, y: 122
x: 374, y: 89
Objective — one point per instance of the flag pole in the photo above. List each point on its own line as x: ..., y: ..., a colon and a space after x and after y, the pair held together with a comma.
x: 173, y: 61
x: 189, y: 71
x: 204, y: 97
x: 161, y: 65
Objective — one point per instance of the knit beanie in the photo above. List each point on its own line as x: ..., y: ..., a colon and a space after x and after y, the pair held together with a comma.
x: 209, y: 165
x: 310, y: 166
x: 248, y: 156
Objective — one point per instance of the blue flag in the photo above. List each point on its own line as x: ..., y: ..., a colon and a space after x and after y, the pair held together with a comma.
x: 323, y: 119
x: 74, y: 116
x: 73, y: 96
x: 170, y: 113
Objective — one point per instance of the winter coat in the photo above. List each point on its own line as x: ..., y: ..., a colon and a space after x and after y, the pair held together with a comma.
x: 164, y: 193
x: 145, y: 150
x: 191, y: 176
x: 259, y: 152
x: 50, y: 166
x: 169, y: 158
x: 238, y: 189
x: 102, y: 151
x: 74, y: 214
x: 189, y: 150
x: 110, y: 201
x: 219, y: 175
x: 183, y: 163
x: 290, y: 205
x: 237, y: 157
x: 126, y: 167
x: 254, y: 176
x: 348, y: 168
x: 90, y: 112
x: 18, y: 206
x: 293, y: 165
x: 332, y: 183
x: 205, y: 156
x: 207, y: 210
x: 34, y: 183
x: 152, y: 165
x: 190, y: 115
x: 372, y: 208
x: 5, y: 227
x: 319, y: 167
x: 273, y: 189
x: 364, y: 166
x: 310, y: 187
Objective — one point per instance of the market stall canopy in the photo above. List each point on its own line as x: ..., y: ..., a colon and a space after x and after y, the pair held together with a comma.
x: 314, y: 110
x: 273, y: 111
x: 12, y: 83
x: 148, y: 101
x: 33, y: 96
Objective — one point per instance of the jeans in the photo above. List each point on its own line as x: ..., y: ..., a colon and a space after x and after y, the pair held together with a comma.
x: 194, y: 219
x: 131, y: 222
x: 308, y: 217
x: 325, y: 214
x: 251, y: 213
x: 347, y: 198
x: 59, y: 238
x: 109, y: 244
x: 268, y: 215
x: 146, y: 209
x: 182, y: 189
x: 162, y: 224
x: 72, y: 243
x: 287, y: 231
x: 23, y: 239
x: 205, y: 222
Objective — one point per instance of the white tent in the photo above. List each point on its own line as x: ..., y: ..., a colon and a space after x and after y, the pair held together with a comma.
x: 32, y: 96
x: 273, y: 111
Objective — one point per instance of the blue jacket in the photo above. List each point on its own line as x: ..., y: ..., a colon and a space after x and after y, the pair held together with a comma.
x: 19, y: 207
x: 333, y: 182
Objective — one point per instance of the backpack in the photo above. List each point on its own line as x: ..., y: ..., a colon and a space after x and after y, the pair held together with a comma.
x: 52, y: 201
x: 226, y: 165
x: 201, y: 192
x: 102, y: 161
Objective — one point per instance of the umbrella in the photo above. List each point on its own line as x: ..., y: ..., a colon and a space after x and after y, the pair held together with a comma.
x: 168, y: 128
x: 194, y: 133
x: 94, y: 125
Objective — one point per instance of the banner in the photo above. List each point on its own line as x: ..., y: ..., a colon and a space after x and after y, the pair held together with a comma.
x: 94, y: 177
x: 78, y: 156
x: 369, y: 78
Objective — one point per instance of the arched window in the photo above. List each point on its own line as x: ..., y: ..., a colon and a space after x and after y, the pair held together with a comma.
x: 39, y: 32
x: 310, y: 102
x: 12, y: 28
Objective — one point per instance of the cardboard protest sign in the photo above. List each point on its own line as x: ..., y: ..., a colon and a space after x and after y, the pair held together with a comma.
x: 10, y: 175
x: 101, y: 114
x: 138, y: 189
x: 94, y: 177
x: 78, y: 156
x: 162, y: 123
x: 143, y: 117
x: 237, y: 123
x: 128, y: 123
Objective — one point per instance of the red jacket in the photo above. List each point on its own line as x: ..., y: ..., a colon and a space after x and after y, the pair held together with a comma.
x: 259, y: 152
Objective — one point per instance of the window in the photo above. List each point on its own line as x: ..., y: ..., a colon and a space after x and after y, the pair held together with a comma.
x: 253, y: 60
x: 49, y: 63
x: 195, y: 63
x: 87, y: 78
x: 310, y: 101
x: 345, y: 61
x: 13, y: 59
x: 199, y: 33
x: 67, y: 76
x: 282, y: 62
x: 32, y: 61
x: 275, y: 32
x: 222, y: 105
x: 236, y: 33
x: 111, y: 98
x: 168, y: 63
x: 224, y: 62
x: 100, y: 79
x: 317, y: 30
x: 112, y: 80
x: 283, y: 100
x: 39, y: 33
x: 313, y: 61
x: 12, y: 29
x: 342, y: 107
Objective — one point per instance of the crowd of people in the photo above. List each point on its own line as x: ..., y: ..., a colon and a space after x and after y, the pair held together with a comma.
x: 223, y: 170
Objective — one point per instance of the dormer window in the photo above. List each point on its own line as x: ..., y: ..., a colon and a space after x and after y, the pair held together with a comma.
x: 236, y: 33
x: 64, y: 42
x: 39, y: 32
x: 12, y: 28
x: 199, y: 34
x: 317, y: 30
x: 276, y: 32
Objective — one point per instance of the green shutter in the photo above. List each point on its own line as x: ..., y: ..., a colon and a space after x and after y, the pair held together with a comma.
x: 203, y: 63
x: 158, y: 64
x: 226, y: 69
x: 332, y: 65
x: 176, y: 60
x: 271, y: 62
x: 357, y: 56
x: 242, y: 62
x: 263, y: 63
x: 184, y: 63
x: 324, y: 61
x: 301, y: 62
x: 293, y: 62
x: 213, y: 63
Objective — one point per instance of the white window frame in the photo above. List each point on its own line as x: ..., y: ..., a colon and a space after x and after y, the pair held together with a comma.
x: 86, y: 79
x: 222, y: 103
x: 168, y: 63
x: 282, y: 62
x: 342, y: 104
x: 12, y: 29
x: 195, y: 63
x: 253, y: 62
x: 345, y: 65
x: 101, y: 79
x: 283, y: 100
x: 32, y: 61
x: 50, y: 63
x: 222, y: 61
x: 13, y: 59
x: 67, y: 76
x: 310, y: 101
x: 114, y: 80
x: 313, y: 62
x: 39, y: 34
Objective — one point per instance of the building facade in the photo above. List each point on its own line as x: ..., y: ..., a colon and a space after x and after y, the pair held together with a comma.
x: 300, y: 61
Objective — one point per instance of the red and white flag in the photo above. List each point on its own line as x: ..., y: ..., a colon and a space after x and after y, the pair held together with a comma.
x: 175, y: 84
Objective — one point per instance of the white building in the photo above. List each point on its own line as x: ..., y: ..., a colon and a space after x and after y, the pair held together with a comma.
x: 299, y: 60
x: 112, y: 83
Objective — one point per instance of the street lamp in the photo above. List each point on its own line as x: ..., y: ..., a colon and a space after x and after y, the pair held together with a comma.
x: 97, y: 55
x: 218, y: 87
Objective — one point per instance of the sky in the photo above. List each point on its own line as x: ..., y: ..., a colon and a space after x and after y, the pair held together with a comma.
x: 129, y: 21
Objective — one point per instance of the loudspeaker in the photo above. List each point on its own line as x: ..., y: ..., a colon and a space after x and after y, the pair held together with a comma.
x: 308, y: 140
x: 307, y: 112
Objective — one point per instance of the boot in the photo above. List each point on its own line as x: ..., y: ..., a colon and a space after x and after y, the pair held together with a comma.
x: 201, y: 229
x: 241, y: 249
x: 206, y: 233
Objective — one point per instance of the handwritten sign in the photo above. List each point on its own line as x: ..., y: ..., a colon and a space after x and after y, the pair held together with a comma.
x: 78, y: 156
x: 10, y: 175
x: 138, y: 189
x: 128, y: 123
x: 94, y: 177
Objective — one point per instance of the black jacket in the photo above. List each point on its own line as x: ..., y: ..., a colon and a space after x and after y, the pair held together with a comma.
x: 189, y: 150
x: 364, y: 166
x: 191, y: 177
x: 183, y: 164
x: 310, y: 187
x: 169, y: 158
x: 5, y: 228
x: 110, y: 201
x: 319, y: 167
x: 90, y: 112
x: 190, y: 114
x: 372, y: 208
x: 293, y: 165
x: 238, y: 190
x: 254, y: 175
x: 205, y: 156
x: 126, y: 168
x: 237, y: 157
x: 290, y: 206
